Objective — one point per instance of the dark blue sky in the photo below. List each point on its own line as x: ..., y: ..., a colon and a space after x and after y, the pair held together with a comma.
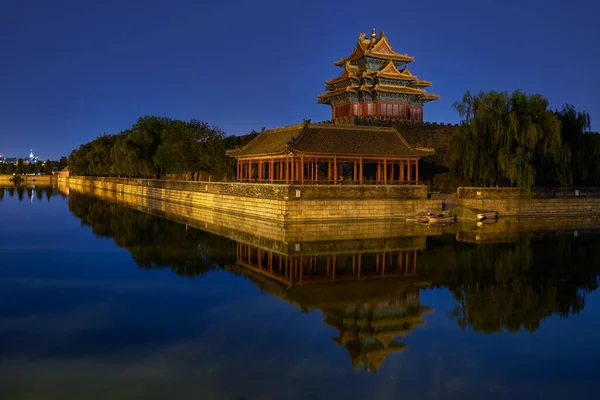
x: 73, y: 69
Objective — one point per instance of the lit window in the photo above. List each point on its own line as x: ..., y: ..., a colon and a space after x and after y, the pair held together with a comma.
x: 389, y: 109
x: 395, y: 110
x: 383, y: 109
x: 369, y: 109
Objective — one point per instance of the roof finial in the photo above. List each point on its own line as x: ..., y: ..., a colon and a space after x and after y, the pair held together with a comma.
x: 373, y: 34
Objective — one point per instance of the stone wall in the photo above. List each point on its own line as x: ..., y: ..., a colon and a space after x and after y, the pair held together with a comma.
x: 282, y: 203
x: 543, y: 201
x: 29, y: 179
x: 283, y: 238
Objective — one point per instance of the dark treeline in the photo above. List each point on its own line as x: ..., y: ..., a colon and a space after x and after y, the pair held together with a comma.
x: 154, y: 242
x: 517, y: 140
x: 514, y: 286
x: 157, y: 146
x: 45, y: 168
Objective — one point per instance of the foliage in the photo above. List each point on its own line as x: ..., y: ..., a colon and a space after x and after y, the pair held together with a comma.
x: 506, y: 136
x: 514, y: 286
x: 156, y: 146
x: 584, y: 145
x: 154, y: 242
x: 191, y: 147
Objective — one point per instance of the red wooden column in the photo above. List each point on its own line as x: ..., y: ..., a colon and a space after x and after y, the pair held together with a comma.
x: 385, y: 171
x: 402, y: 171
x: 316, y: 170
x: 271, y: 170
x: 360, y: 173
x: 335, y: 170
x: 415, y: 262
x: 417, y: 172
x: 302, y: 169
x: 391, y: 167
x: 355, y: 176
x: 260, y: 170
x: 378, y: 177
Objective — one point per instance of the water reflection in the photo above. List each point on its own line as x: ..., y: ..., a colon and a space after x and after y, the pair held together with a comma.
x: 369, y: 290
x: 370, y: 297
x: 153, y: 242
x: 37, y: 192
x: 514, y: 286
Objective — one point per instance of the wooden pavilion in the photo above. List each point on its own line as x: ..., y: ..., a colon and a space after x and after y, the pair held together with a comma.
x: 329, y: 153
x: 375, y: 83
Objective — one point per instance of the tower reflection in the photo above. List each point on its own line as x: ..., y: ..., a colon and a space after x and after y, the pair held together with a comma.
x: 370, y: 297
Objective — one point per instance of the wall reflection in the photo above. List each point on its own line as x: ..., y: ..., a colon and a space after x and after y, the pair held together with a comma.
x: 370, y: 290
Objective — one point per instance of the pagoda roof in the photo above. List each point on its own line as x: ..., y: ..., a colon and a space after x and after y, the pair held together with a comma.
x: 379, y: 88
x: 331, y: 139
x: 376, y: 47
x: 387, y: 71
x: 350, y: 71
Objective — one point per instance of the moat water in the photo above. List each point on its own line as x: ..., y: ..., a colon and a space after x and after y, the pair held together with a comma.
x: 99, y: 300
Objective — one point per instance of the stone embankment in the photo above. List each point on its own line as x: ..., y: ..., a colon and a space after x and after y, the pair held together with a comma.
x: 29, y: 179
x: 281, y: 203
x: 546, y: 202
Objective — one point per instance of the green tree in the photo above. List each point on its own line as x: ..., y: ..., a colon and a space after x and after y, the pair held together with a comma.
x: 19, y: 166
x: 62, y: 163
x: 505, y: 136
x: 48, y: 166
x: 584, y: 145
x: 191, y: 147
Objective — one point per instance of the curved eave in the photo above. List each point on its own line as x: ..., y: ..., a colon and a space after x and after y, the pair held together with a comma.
x: 430, y: 97
x: 399, y: 76
x: 421, y: 83
x: 415, y: 156
x: 337, y: 92
x: 395, y: 56
x: 340, y: 79
x: 272, y: 154
x: 399, y: 89
x: 381, y: 56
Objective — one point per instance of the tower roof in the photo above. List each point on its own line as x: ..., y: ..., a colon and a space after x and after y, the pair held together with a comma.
x: 330, y: 139
x: 376, y: 47
x: 373, y: 72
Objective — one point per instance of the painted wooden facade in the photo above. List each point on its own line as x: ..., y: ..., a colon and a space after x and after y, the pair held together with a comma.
x: 375, y: 82
x: 329, y: 154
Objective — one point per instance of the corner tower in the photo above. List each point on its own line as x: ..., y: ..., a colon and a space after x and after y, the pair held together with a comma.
x: 376, y: 82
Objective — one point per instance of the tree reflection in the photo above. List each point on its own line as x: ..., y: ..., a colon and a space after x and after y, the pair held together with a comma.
x: 153, y: 242
x: 514, y: 286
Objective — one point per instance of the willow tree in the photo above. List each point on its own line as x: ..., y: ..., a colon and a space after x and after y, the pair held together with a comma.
x: 584, y: 145
x: 500, y: 137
